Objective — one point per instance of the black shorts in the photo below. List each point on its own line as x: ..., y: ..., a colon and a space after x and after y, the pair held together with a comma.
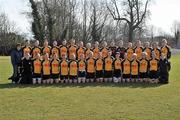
x: 55, y: 76
x: 35, y: 75
x: 117, y: 73
x: 63, y: 77
x: 108, y: 74
x: 45, y: 77
x: 126, y: 76
x: 73, y: 77
x: 99, y: 74
x: 90, y: 75
x: 143, y: 75
x: 153, y: 74
x: 134, y: 76
x: 82, y: 74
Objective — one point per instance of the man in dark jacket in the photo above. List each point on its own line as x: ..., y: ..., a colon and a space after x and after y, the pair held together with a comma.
x: 16, y: 55
x: 165, y: 67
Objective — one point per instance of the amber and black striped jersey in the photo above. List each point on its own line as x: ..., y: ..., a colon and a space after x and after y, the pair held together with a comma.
x: 104, y: 52
x: 154, y: 65
x: 126, y: 66
x: 90, y: 65
x: 35, y: 51
x: 72, y: 51
x: 166, y: 51
x: 73, y: 68
x: 63, y: 50
x: 55, y: 66
x: 144, y: 66
x: 108, y: 63
x: 117, y: 64
x: 96, y: 52
x: 80, y: 51
x: 46, y: 50
x: 138, y: 51
x: 46, y: 67
x: 99, y: 64
x: 149, y: 52
x: 134, y: 67
x: 157, y: 52
x: 82, y: 65
x: 129, y: 52
x: 26, y: 50
x: 37, y: 66
x: 55, y: 50
x: 64, y: 69
x: 87, y: 53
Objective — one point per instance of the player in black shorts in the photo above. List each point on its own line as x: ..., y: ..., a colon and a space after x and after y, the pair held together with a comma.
x: 99, y: 65
x: 82, y: 69
x: 143, y: 68
x: 117, y: 68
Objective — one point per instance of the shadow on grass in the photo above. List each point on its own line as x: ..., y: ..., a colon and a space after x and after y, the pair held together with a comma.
x: 92, y: 85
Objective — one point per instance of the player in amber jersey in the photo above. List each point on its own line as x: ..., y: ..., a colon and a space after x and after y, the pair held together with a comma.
x: 90, y: 68
x: 82, y: 69
x: 104, y: 50
x: 81, y: 50
x: 165, y: 49
x: 99, y: 65
x: 72, y: 49
x: 46, y: 48
x: 138, y: 50
x: 143, y: 68
x: 129, y: 51
x: 156, y: 50
x: 96, y: 50
x: 126, y: 69
x: 108, y: 67
x: 148, y: 50
x: 55, y: 49
x: 88, y: 50
x: 73, y: 70
x: 26, y: 49
x: 46, y: 69
x: 117, y: 68
x: 134, y: 69
x: 154, y: 69
x: 36, y: 49
x: 63, y: 49
x: 64, y: 69
x: 37, y: 69
x: 55, y: 69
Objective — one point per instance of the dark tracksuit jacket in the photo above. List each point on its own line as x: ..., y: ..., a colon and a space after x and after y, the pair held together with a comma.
x: 27, y: 71
x: 16, y: 61
x: 165, y: 67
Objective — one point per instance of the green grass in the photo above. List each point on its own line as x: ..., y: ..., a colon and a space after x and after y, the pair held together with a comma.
x: 91, y: 101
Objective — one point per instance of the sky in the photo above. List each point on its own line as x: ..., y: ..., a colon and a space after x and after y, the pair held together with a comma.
x: 163, y: 14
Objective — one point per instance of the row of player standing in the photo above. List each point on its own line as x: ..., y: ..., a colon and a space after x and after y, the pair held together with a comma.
x: 79, y: 49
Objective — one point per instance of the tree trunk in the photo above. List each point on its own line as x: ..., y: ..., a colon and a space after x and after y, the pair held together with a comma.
x: 131, y: 36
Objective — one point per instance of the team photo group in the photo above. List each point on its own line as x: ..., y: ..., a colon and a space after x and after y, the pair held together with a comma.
x: 74, y: 62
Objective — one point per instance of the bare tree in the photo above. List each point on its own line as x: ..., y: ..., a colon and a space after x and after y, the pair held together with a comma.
x: 134, y: 13
x: 176, y: 31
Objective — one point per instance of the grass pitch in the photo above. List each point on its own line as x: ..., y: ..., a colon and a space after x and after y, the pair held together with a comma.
x: 90, y: 101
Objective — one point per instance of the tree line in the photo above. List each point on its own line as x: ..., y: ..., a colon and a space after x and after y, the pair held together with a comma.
x: 89, y: 20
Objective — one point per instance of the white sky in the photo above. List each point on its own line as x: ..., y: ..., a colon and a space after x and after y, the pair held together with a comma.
x: 163, y: 13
